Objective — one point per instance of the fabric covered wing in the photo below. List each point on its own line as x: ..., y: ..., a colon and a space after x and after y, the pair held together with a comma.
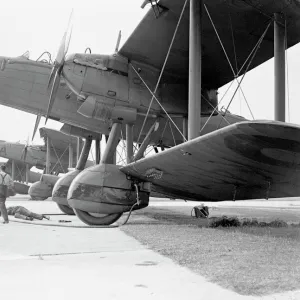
x: 247, y: 160
x: 59, y: 140
x: 240, y: 24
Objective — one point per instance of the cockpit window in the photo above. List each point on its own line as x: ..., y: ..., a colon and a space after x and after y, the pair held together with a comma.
x: 45, y: 57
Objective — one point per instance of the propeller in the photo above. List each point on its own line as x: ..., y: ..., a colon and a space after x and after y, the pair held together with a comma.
x: 36, y: 125
x: 56, y: 71
x: 25, y: 149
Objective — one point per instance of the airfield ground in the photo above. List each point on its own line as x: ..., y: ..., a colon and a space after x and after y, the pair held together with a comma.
x: 162, y: 253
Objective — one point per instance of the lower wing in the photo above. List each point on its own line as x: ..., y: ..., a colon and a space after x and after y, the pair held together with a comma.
x: 247, y: 160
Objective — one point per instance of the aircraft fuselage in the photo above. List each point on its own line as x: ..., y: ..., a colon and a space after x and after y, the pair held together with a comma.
x: 105, y: 89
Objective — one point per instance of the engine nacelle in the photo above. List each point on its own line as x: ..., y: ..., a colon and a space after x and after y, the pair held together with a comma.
x: 21, y: 188
x: 103, y: 109
x: 105, y: 189
x: 61, y: 187
x: 42, y: 189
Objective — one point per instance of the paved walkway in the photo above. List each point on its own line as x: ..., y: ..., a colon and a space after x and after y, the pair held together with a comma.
x: 49, y: 262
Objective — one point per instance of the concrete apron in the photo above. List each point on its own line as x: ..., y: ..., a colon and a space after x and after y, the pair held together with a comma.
x: 44, y: 262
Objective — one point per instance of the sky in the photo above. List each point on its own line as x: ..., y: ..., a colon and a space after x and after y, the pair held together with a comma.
x: 37, y: 27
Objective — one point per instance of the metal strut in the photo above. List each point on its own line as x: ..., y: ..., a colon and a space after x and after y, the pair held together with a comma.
x: 279, y: 68
x: 81, y: 162
x: 111, y: 145
x: 48, y: 156
x: 146, y: 141
x: 129, y: 143
x: 195, y: 68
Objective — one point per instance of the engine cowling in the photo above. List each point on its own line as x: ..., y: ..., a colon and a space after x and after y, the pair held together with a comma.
x: 42, y: 189
x: 103, y: 110
x: 21, y: 188
x: 105, y: 189
x: 61, y: 187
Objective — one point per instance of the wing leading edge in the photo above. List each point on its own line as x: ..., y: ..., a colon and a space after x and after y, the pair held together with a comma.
x: 247, y: 160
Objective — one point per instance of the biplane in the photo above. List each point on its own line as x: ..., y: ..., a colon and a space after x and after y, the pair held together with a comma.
x: 161, y: 89
x: 55, y: 156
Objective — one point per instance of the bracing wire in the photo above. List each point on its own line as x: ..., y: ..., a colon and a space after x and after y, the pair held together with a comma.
x: 241, y: 90
x: 223, y: 97
x: 224, y: 50
x: 254, y: 54
x: 172, y: 134
x: 58, y: 157
x: 214, y: 108
x: 232, y: 36
x: 215, y: 29
x: 162, y: 69
x: 158, y: 102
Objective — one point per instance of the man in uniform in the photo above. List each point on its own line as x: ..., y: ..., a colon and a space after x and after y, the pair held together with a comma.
x: 21, y: 212
x: 5, y: 183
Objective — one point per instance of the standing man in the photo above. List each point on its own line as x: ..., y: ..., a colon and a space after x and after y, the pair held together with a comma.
x: 5, y: 182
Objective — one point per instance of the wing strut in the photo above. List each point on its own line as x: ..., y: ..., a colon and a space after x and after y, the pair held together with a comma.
x: 279, y: 68
x: 195, y: 65
x: 146, y: 141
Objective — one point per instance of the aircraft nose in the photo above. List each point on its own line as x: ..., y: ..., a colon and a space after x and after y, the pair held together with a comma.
x: 73, y: 74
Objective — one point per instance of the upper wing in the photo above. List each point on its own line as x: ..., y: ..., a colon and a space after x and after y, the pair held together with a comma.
x: 240, y: 23
x: 247, y: 160
x: 60, y: 141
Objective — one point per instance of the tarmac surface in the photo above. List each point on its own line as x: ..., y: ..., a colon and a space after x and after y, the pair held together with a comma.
x: 69, y: 260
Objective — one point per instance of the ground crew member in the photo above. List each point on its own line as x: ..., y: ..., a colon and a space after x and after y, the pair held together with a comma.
x: 5, y: 183
x: 21, y: 212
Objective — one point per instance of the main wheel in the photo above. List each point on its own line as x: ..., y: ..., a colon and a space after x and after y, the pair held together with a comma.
x: 96, y: 219
x: 66, y: 209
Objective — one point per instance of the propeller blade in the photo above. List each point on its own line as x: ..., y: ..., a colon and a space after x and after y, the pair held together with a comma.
x: 61, y: 51
x: 58, y: 66
x: 36, y: 125
x: 52, y: 74
x: 68, y: 39
x: 65, y: 42
x: 24, y: 153
x: 53, y: 94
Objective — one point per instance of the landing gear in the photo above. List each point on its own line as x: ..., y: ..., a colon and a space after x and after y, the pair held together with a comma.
x: 96, y: 219
x: 100, y: 194
x: 66, y: 209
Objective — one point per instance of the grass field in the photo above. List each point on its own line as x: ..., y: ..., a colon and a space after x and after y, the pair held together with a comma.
x: 248, y: 260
